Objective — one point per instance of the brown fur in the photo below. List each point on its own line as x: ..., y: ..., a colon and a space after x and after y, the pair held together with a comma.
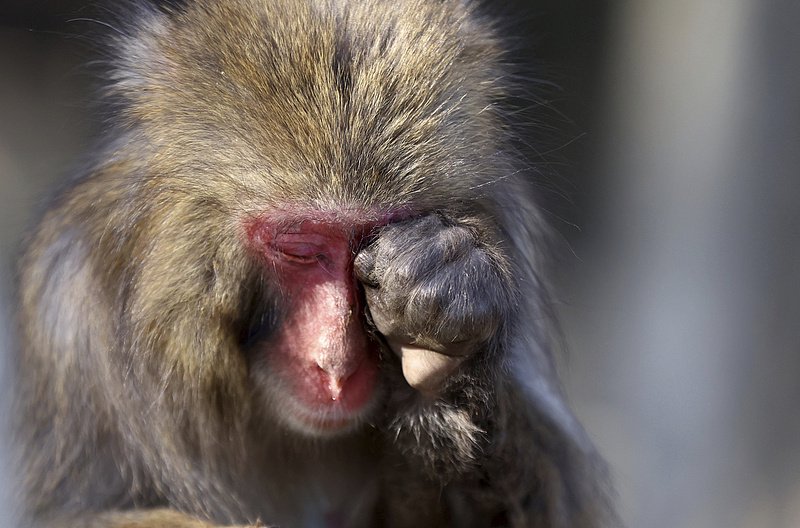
x: 135, y: 390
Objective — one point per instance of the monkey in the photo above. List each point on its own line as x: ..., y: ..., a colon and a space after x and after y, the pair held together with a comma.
x: 301, y: 284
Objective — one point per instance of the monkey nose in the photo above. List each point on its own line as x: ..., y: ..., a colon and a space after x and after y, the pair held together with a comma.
x: 349, y: 386
x: 336, y: 374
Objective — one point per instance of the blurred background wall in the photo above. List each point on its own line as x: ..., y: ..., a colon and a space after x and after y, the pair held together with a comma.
x: 671, y: 175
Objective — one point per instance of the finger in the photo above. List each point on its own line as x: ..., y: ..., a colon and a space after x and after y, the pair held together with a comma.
x: 364, y: 265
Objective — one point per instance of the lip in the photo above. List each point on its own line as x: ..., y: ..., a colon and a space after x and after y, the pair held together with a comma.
x: 331, y: 422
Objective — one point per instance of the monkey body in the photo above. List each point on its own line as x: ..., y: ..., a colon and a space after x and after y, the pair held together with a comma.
x: 301, y: 286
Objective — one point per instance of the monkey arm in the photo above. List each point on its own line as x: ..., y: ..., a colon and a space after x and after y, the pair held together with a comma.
x: 491, y: 428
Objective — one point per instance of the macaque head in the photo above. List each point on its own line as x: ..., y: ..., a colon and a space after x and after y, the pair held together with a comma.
x: 291, y: 156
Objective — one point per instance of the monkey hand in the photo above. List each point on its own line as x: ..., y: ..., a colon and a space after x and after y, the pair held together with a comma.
x: 436, y: 292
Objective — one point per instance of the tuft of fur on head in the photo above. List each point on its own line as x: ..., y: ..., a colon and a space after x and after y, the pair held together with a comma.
x: 325, y: 102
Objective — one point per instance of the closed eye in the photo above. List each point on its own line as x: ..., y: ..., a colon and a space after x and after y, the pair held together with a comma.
x: 298, y: 252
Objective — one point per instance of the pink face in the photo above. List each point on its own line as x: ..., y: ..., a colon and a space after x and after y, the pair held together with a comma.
x: 322, y: 367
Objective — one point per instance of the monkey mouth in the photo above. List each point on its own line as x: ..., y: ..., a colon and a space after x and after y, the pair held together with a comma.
x: 331, y: 424
x: 334, y: 421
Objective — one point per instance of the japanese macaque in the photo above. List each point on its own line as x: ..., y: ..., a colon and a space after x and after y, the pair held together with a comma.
x: 300, y: 286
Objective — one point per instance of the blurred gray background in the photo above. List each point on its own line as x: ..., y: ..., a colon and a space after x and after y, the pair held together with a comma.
x: 671, y: 178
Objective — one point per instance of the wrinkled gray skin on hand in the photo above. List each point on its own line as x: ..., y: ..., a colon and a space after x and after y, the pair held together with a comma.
x: 436, y: 293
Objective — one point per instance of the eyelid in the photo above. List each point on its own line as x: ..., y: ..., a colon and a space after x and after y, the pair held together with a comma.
x: 300, y: 248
